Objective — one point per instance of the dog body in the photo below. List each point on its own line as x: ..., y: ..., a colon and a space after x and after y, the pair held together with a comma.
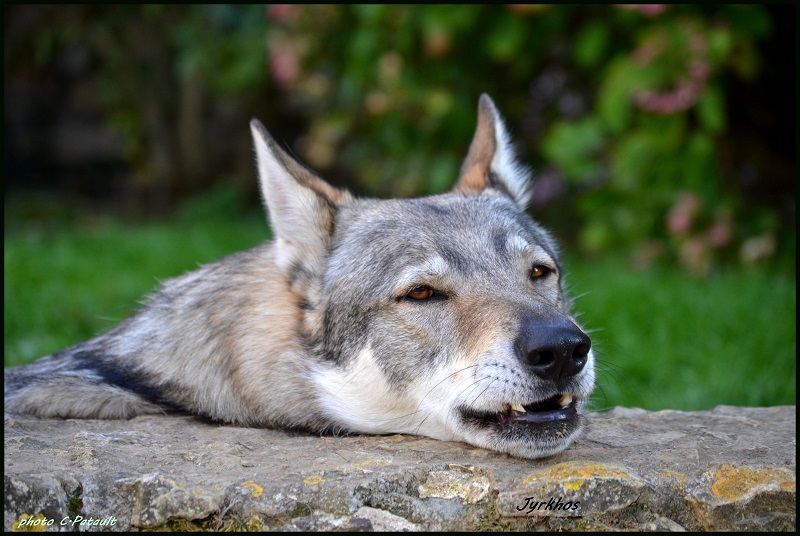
x: 443, y: 316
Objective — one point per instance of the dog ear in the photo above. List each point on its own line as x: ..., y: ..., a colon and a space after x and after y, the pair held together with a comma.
x: 301, y: 206
x: 490, y: 162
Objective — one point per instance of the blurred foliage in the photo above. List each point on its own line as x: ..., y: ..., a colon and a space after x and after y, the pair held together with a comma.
x: 161, y: 75
x: 637, y: 151
x: 624, y: 110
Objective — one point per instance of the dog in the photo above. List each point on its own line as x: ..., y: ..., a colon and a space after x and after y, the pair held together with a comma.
x: 443, y: 316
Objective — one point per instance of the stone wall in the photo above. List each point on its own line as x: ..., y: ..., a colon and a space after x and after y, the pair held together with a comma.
x: 726, y: 469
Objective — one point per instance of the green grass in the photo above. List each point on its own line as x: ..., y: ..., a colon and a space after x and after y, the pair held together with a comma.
x: 62, y: 287
x: 663, y: 339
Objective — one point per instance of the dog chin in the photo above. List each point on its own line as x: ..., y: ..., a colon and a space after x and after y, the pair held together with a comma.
x: 536, y: 450
x: 522, y: 446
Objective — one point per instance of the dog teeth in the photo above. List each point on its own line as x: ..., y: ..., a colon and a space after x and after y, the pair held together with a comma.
x: 565, y: 400
x: 517, y: 407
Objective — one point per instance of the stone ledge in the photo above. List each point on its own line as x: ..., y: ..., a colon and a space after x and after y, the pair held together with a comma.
x: 725, y: 469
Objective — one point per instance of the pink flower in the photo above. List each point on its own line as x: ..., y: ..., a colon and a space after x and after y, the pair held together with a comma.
x: 284, y: 67
x: 648, y: 10
x: 688, y: 81
x: 681, y: 215
x: 719, y: 234
x: 283, y: 13
x: 685, y: 95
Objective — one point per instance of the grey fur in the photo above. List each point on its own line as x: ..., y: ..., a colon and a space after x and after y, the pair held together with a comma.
x: 317, y: 331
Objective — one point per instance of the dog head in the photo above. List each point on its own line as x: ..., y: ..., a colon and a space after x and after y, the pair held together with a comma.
x: 442, y: 316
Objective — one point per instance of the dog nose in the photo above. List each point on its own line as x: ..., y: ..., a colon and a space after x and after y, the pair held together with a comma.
x: 555, y: 347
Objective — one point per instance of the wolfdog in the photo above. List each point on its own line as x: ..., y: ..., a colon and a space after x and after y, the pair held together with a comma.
x: 442, y: 316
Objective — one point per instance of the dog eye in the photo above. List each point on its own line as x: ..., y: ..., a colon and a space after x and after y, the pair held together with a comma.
x: 420, y: 293
x: 540, y: 271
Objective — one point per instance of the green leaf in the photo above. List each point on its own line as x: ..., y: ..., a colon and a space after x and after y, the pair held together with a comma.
x: 750, y: 19
x: 720, y: 44
x: 591, y: 44
x: 711, y: 109
x: 596, y: 236
x: 505, y: 40
x: 613, y: 97
x: 574, y: 147
x: 631, y: 160
x: 699, y: 167
x: 443, y: 171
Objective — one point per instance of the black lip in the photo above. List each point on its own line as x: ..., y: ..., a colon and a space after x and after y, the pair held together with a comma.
x: 538, y: 414
x: 542, y: 417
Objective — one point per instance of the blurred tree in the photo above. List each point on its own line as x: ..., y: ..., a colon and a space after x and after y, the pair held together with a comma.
x: 625, y: 107
x: 653, y: 128
x: 165, y: 79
